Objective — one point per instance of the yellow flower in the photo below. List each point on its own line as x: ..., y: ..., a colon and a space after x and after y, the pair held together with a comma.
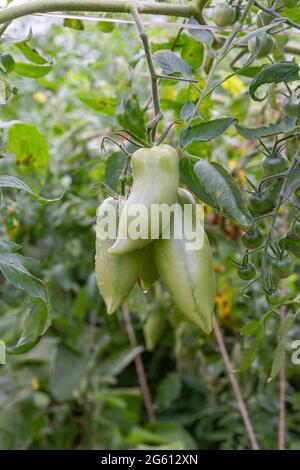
x: 234, y: 84
x: 40, y: 97
x: 35, y: 384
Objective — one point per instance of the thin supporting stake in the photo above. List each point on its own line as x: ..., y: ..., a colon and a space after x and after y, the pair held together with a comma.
x: 138, y: 364
x: 235, y: 385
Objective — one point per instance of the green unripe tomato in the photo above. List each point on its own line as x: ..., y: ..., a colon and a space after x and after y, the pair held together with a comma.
x: 275, y: 297
x: 7, y: 61
x: 263, y: 18
x: 224, y: 14
x: 247, y: 272
x: 291, y: 107
x: 252, y: 239
x: 266, y: 44
x: 274, y: 165
x: 283, y: 267
x: 261, y: 203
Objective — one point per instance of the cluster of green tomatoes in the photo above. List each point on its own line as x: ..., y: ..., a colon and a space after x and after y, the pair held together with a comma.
x: 277, y: 254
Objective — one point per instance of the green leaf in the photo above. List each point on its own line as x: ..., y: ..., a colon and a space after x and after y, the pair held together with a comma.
x: 249, y: 72
x: 106, y: 26
x: 251, y: 327
x: 2, y: 353
x: 69, y: 369
x: 30, y: 148
x: 6, y: 245
x: 290, y: 244
x: 12, y: 268
x: 202, y: 35
x: 190, y: 179
x: 73, y: 23
x: 13, y: 427
x: 278, y: 358
x: 113, y: 169
x: 187, y: 111
x: 161, y: 433
x: 169, y: 390
x: 222, y: 188
x: 6, y: 89
x: 37, y: 322
x: 101, y: 104
x: 293, y: 13
x: 286, y: 124
x: 31, y: 54
x: 132, y: 116
x: 293, y: 183
x: 286, y: 324
x: 171, y: 63
x: 275, y: 73
x: 31, y: 70
x: 118, y: 361
x: 7, y: 62
x: 15, y: 183
x: 251, y: 352
x: 5, y: 39
x: 204, y: 131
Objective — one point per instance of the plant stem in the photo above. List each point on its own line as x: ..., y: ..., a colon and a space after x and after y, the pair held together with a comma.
x: 219, y: 57
x: 152, y: 125
x: 109, y: 6
x: 291, y: 49
x: 279, y: 201
x: 273, y: 13
x: 138, y: 364
x: 235, y: 385
x: 282, y: 371
x: 282, y: 386
x: 179, y: 79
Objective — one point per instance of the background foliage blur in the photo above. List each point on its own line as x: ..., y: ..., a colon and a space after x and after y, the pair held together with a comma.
x: 77, y: 388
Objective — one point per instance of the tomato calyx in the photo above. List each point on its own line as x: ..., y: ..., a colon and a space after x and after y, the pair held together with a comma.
x: 252, y: 238
x: 274, y: 164
x: 261, y: 202
x: 275, y: 297
x: 245, y: 269
x: 282, y: 266
x: 247, y: 272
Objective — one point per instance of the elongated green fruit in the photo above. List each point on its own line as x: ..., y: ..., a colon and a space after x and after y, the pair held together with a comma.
x: 155, y: 174
x: 188, y: 274
x: 116, y: 275
x: 148, y: 273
